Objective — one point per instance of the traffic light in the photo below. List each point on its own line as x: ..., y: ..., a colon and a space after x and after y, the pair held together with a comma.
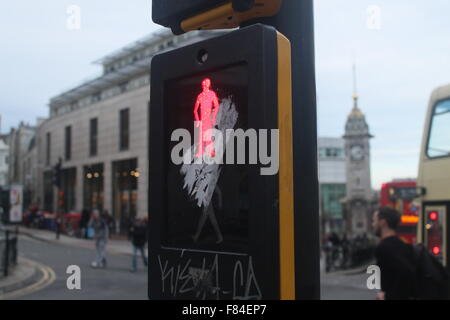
x: 435, y: 234
x: 436, y: 250
x: 184, y: 16
x: 433, y: 216
x: 220, y: 169
x: 60, y: 199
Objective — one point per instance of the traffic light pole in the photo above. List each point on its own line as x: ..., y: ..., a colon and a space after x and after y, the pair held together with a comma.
x: 296, y: 21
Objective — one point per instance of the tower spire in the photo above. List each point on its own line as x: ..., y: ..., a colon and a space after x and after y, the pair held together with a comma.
x: 355, y: 90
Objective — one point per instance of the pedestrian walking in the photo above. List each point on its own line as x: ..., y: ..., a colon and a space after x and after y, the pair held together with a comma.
x: 138, y: 235
x: 394, y: 258
x: 101, y: 234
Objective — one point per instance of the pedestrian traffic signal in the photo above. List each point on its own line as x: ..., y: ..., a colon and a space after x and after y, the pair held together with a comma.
x: 184, y: 16
x: 220, y: 169
x: 436, y: 250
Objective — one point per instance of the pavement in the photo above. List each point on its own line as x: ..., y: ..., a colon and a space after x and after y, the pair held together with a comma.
x: 20, y: 276
x: 350, y: 284
x: 43, y: 263
x: 28, y: 276
x: 114, y: 246
x: 43, y: 270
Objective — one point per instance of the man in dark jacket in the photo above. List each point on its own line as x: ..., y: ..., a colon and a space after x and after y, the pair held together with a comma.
x: 394, y: 257
x: 138, y: 235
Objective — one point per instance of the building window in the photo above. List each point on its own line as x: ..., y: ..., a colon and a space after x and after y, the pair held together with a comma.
x: 439, y: 143
x: 73, y: 106
x: 331, y: 153
x: 48, y: 191
x: 125, y: 192
x: 96, y: 97
x: 48, y: 151
x: 67, y: 191
x: 124, y: 134
x: 331, y: 196
x: 93, y: 135
x: 93, y: 187
x: 68, y: 144
x: 123, y: 87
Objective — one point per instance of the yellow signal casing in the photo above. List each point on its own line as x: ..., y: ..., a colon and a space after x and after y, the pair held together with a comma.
x: 225, y: 17
x: 286, y: 180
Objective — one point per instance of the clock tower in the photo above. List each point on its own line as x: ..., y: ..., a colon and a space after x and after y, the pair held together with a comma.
x: 359, y: 198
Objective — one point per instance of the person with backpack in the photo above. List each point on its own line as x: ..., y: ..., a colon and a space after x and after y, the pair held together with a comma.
x: 99, y: 222
x: 432, y: 281
x: 395, y: 258
x: 138, y: 235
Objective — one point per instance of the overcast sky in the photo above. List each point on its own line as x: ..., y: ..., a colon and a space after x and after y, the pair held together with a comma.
x: 400, y: 58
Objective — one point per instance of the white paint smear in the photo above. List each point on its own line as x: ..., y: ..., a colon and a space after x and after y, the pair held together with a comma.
x: 200, y: 179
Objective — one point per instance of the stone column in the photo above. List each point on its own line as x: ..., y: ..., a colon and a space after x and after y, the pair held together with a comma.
x: 79, y: 188
x: 142, y: 210
x: 107, y: 187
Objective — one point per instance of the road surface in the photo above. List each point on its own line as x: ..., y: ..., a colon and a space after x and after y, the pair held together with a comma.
x: 114, y: 282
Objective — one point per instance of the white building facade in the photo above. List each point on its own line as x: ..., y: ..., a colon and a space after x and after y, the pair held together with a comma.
x: 19, y: 142
x: 332, y: 183
x: 99, y: 130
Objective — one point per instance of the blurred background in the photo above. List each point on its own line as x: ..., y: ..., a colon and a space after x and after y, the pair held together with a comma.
x: 73, y: 135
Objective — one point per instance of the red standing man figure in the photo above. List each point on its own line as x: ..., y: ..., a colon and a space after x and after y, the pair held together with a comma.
x: 209, y: 107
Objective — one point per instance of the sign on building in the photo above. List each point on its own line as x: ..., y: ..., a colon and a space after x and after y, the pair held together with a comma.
x: 16, y: 203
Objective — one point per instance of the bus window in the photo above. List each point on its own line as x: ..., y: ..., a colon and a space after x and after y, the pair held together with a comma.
x: 439, y: 140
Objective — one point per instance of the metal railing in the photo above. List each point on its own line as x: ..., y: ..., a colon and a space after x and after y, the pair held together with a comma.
x: 8, y: 249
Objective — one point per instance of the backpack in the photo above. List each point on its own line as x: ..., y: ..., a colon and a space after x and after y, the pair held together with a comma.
x: 432, y: 280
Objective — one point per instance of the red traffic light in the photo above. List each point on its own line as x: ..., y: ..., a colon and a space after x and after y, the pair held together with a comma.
x: 433, y: 215
x: 436, y: 250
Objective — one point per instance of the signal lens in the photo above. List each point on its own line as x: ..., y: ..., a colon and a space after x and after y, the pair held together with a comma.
x: 436, y: 250
x: 433, y: 215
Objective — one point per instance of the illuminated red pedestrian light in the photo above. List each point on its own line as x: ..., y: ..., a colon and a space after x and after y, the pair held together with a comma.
x: 433, y: 216
x: 208, y: 103
x: 436, y: 250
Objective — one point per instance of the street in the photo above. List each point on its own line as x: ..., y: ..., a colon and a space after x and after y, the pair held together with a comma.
x: 344, y: 286
x: 114, y: 282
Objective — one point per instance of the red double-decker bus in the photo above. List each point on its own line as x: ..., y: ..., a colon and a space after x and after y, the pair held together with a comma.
x: 399, y: 194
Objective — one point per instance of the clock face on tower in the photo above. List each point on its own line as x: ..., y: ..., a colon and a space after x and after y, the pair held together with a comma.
x: 356, y: 152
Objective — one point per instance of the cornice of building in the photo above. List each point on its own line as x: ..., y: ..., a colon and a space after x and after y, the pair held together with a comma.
x: 132, y: 68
